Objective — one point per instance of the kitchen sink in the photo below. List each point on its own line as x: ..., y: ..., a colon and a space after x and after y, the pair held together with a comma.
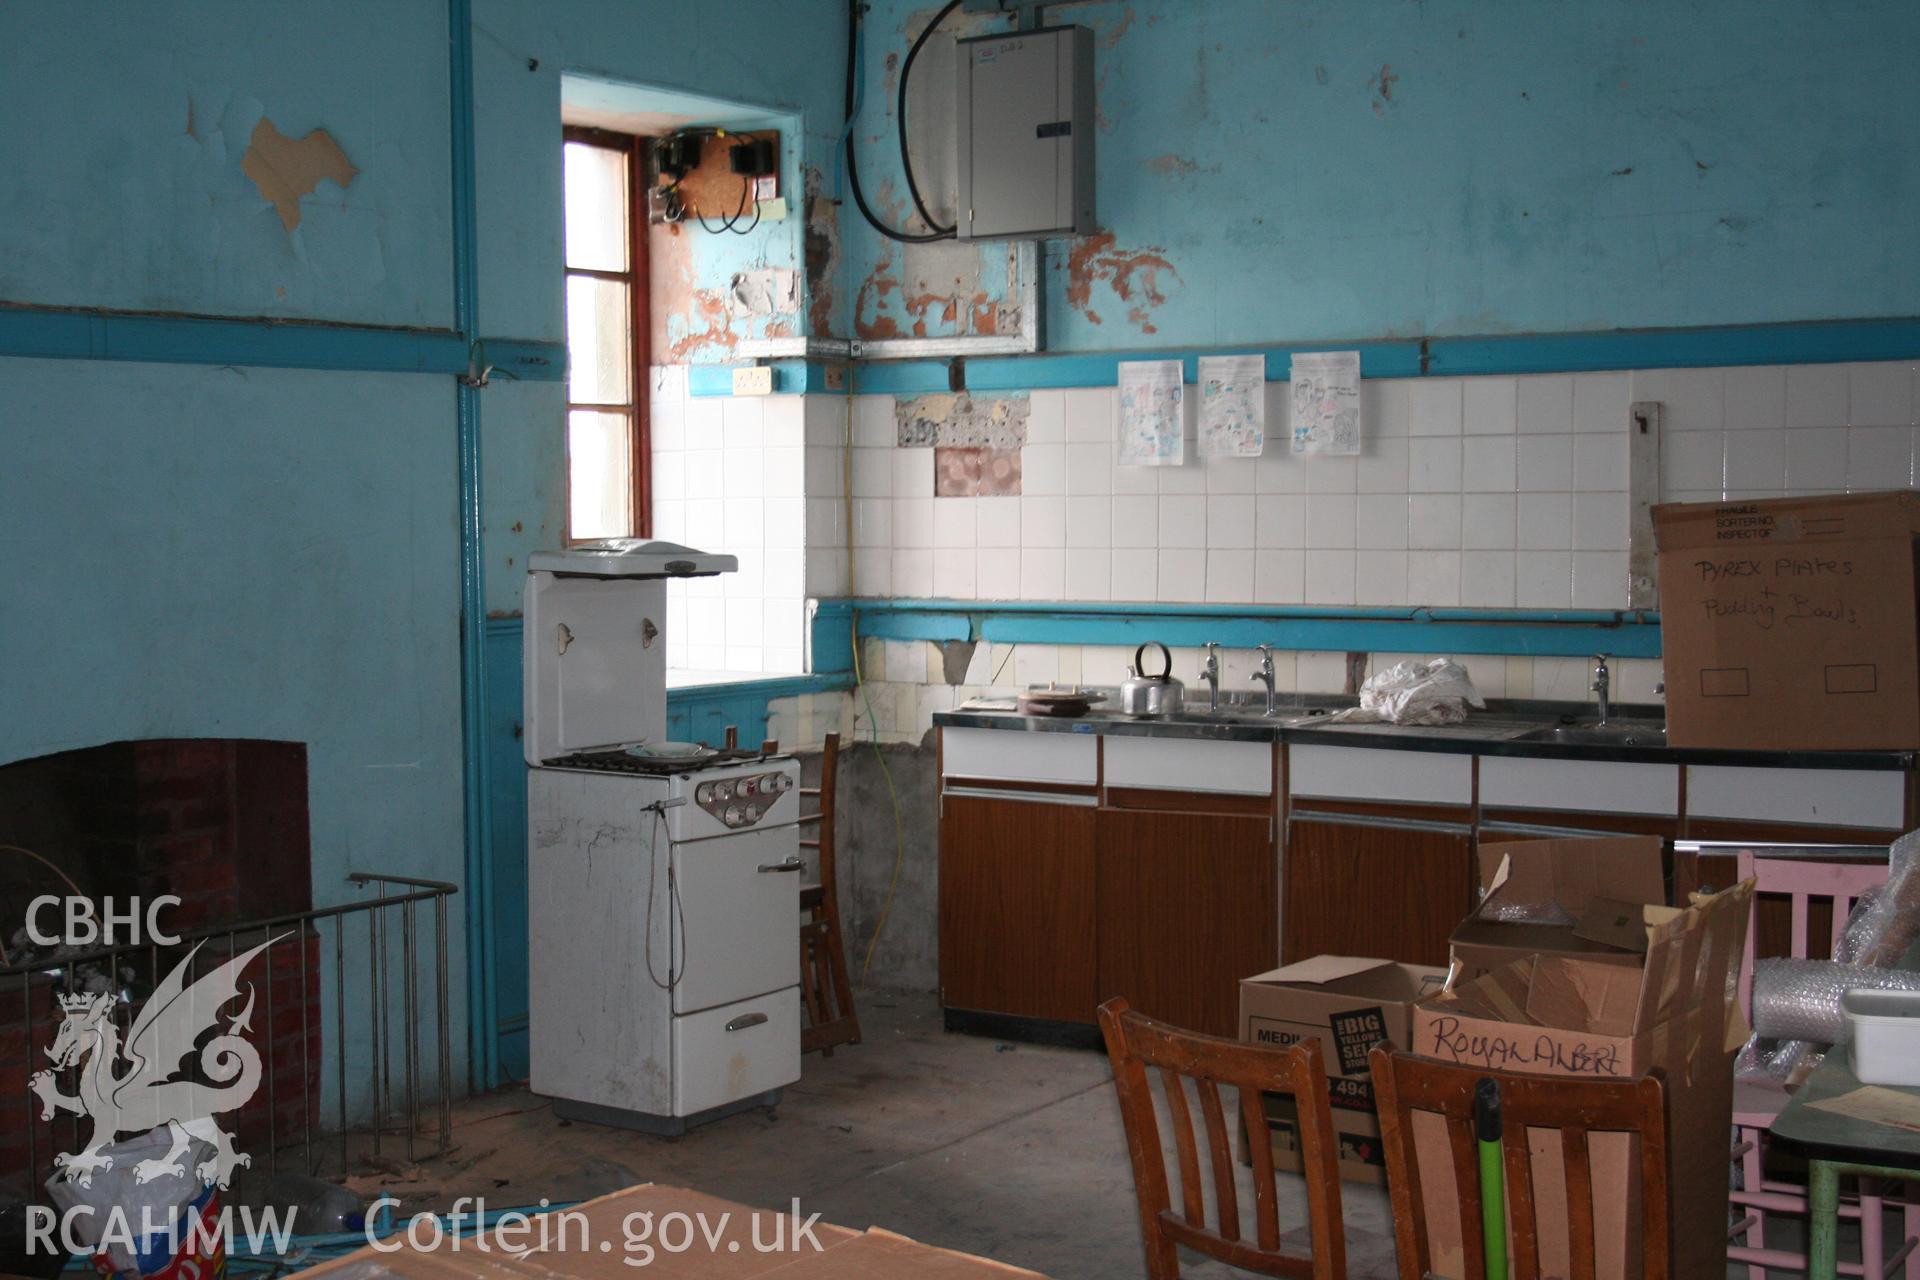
x: 1619, y: 733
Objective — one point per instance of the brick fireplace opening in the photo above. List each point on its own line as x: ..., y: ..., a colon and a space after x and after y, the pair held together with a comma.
x: 221, y: 824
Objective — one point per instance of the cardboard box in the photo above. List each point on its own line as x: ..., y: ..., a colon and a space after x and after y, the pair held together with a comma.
x: 1790, y: 624
x: 1568, y: 1015
x: 1350, y: 1004
x: 1597, y: 886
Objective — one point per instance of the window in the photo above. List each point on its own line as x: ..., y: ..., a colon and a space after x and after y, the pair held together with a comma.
x: 606, y: 283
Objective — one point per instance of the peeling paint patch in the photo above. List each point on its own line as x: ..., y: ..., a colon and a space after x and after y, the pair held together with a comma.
x: 709, y: 309
x: 1134, y: 276
x: 284, y: 169
x: 1120, y: 29
x: 976, y: 473
x: 1382, y: 83
x: 957, y: 420
x: 822, y: 254
x: 767, y: 291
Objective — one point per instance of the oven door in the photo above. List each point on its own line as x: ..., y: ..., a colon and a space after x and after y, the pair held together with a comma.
x: 736, y: 930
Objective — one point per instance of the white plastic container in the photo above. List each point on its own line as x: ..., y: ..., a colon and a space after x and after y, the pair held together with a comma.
x: 1886, y: 1035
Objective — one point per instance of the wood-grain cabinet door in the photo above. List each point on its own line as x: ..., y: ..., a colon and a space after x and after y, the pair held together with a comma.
x: 1388, y: 892
x: 1186, y: 909
x: 1016, y: 907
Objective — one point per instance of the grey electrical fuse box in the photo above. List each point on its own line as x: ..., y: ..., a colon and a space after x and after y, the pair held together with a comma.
x: 1024, y: 134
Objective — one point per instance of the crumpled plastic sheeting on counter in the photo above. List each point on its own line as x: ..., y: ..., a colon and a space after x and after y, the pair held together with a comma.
x: 1796, y: 1003
x: 1436, y: 692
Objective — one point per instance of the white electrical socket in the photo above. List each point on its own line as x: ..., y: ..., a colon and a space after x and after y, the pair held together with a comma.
x: 753, y: 380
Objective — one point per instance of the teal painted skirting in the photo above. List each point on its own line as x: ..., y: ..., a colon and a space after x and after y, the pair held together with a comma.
x: 54, y: 333
x: 1812, y: 343
x: 1518, y: 632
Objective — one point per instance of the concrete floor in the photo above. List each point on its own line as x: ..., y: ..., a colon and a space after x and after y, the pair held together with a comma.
x: 1010, y: 1151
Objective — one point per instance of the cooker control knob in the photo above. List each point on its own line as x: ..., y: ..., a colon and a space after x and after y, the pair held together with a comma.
x: 753, y: 814
x: 746, y: 787
x: 732, y: 816
x: 704, y: 793
x: 723, y: 791
x: 779, y: 782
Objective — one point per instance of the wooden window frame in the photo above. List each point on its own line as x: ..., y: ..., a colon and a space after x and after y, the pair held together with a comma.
x: 638, y: 281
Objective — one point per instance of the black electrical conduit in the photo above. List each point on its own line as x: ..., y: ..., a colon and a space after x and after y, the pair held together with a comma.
x: 854, y: 8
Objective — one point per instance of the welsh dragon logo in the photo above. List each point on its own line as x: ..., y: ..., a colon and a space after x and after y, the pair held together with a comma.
x: 144, y: 1095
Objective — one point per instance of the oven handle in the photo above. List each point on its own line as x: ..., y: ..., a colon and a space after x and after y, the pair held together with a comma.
x: 746, y: 1020
x: 791, y: 864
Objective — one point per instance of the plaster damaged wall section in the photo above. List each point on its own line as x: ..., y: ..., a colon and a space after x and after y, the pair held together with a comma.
x: 976, y: 443
x: 938, y: 291
x: 285, y: 169
x: 707, y: 297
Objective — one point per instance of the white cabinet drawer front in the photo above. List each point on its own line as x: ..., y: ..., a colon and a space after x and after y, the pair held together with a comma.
x: 1821, y: 797
x: 1367, y: 773
x: 1584, y: 786
x: 735, y: 1051
x: 1191, y: 764
x: 1020, y: 756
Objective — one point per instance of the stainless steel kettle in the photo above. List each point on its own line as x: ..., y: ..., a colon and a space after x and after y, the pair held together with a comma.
x: 1145, y: 695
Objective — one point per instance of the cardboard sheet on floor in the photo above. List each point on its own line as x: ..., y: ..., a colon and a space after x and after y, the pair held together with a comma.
x: 1588, y: 881
x: 1576, y: 1016
x: 882, y: 1255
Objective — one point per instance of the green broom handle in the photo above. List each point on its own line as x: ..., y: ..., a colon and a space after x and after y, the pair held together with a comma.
x: 1493, y: 1178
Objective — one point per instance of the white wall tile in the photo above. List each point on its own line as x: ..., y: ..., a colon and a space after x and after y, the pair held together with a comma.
x: 1434, y: 521
x: 1330, y: 577
x: 1136, y: 520
x: 1879, y: 457
x: 1183, y: 521
x: 1486, y: 579
x: 996, y: 521
x: 1756, y: 398
x: 1136, y: 574
x: 1380, y: 521
x: 1487, y: 521
x: 1189, y: 479
x: 874, y: 425
x: 1600, y: 461
x: 1434, y: 464
x: 1043, y: 469
x: 1756, y: 460
x: 873, y: 472
x: 954, y: 574
x: 1090, y: 468
x: 1600, y: 522
x: 1090, y: 414
x: 1280, y: 520
x: 1690, y: 399
x: 1545, y: 404
x: 913, y: 522
x: 783, y: 473
x: 1487, y: 464
x: 1279, y: 576
x: 1543, y: 579
x: 1230, y: 523
x: 1043, y: 573
x: 912, y: 473
x: 913, y: 572
x: 1544, y: 522
x: 1089, y: 573
x: 1327, y: 474
x: 1278, y: 470
x: 1491, y: 406
x: 1600, y: 579
x: 954, y: 522
x: 873, y: 570
x: 1382, y: 467
x: 1043, y: 521
x: 1330, y: 520
x: 1434, y: 407
x: 997, y: 573
x: 872, y: 522
x: 1600, y: 401
x: 1817, y: 395
x: 1692, y: 461
x: 1230, y: 475
x: 823, y: 472
x: 1384, y: 406
x: 1880, y: 394
x: 1089, y: 522
x: 742, y: 422
x: 1229, y: 576
x: 1433, y: 578
x: 1545, y: 463
x: 1047, y: 417
x: 1816, y: 459
x: 1182, y: 573
x: 1379, y: 577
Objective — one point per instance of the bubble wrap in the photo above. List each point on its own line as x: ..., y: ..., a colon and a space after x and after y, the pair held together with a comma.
x: 1800, y: 999
x: 1528, y: 913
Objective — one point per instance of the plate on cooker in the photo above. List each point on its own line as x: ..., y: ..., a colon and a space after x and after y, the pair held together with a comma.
x: 670, y: 751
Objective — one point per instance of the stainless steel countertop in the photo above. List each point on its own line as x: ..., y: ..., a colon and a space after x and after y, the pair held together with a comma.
x: 1503, y: 729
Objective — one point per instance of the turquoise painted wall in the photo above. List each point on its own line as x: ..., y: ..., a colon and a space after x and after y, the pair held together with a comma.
x: 1315, y: 171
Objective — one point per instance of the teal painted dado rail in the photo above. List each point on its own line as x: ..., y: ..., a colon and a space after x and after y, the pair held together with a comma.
x: 1565, y: 633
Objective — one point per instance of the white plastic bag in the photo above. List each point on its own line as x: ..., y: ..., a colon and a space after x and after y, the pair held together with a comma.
x: 1438, y: 691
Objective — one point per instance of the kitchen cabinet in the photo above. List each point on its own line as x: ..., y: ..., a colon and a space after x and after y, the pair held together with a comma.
x: 1017, y: 903
x: 1387, y: 882
x: 1185, y: 907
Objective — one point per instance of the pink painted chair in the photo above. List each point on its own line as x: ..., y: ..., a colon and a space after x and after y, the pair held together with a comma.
x: 1757, y: 1102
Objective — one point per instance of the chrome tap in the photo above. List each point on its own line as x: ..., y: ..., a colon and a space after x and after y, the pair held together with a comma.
x: 1602, y: 685
x: 1265, y: 674
x: 1211, y: 674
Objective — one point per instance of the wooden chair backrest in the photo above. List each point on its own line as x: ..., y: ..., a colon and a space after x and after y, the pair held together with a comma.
x: 1135, y: 1043
x: 1841, y: 883
x: 1404, y: 1084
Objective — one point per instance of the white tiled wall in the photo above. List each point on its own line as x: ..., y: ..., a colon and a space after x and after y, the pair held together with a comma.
x: 730, y: 475
x: 1494, y: 491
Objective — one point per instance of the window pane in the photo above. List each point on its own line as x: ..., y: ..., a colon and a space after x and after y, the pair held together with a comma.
x: 596, y: 207
x: 599, y: 463
x: 599, y: 341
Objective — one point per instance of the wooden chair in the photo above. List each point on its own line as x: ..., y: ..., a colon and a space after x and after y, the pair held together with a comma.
x: 1404, y: 1084
x: 1757, y: 1103
x: 826, y: 995
x: 1136, y: 1042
